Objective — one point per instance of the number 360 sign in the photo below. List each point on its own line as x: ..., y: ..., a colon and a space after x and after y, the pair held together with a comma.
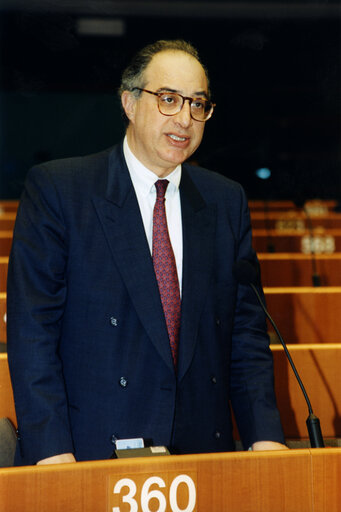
x: 144, y: 493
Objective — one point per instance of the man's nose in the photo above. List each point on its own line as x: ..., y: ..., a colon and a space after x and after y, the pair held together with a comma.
x: 184, y: 116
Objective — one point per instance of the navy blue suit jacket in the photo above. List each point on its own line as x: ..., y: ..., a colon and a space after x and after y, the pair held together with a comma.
x: 88, y: 347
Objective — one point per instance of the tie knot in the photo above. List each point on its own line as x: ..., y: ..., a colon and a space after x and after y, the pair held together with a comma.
x: 161, y: 187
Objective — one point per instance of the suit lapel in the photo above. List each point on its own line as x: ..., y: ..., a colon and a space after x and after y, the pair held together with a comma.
x: 121, y: 220
x: 120, y: 217
x: 198, y: 221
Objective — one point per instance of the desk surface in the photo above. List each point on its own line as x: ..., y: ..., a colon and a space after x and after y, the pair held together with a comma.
x: 293, y: 480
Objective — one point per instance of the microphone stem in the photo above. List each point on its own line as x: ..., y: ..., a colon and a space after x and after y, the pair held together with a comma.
x: 313, y: 423
x: 285, y: 349
x: 246, y: 273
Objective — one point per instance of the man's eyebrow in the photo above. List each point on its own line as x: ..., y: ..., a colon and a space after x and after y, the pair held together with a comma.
x: 197, y: 94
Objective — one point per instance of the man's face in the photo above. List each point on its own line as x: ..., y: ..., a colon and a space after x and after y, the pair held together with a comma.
x: 162, y: 142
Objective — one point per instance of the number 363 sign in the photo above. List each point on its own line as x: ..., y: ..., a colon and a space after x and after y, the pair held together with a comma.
x: 145, y: 493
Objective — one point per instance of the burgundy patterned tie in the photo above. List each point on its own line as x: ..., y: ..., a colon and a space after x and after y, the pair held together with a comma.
x: 165, y: 268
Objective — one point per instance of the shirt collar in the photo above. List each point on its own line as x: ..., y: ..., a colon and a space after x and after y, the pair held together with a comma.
x: 144, y: 178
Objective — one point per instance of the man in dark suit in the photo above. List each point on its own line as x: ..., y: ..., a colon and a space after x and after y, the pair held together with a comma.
x: 89, y: 327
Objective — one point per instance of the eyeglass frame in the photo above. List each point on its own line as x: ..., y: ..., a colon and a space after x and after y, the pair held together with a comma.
x: 184, y: 98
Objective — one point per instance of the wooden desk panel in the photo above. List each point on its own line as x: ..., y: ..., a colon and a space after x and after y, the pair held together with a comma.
x: 6, y: 237
x: 10, y: 205
x: 3, y: 317
x: 280, y: 205
x: 319, y: 367
x: 326, y: 474
x: 7, y: 409
x: 289, y: 205
x: 294, y: 220
x: 3, y: 273
x: 7, y: 220
x: 231, y: 482
x: 293, y: 481
x: 306, y: 314
x: 327, y: 242
x: 293, y: 269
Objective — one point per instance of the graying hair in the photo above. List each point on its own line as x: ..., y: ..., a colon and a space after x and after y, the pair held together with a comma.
x: 133, y: 75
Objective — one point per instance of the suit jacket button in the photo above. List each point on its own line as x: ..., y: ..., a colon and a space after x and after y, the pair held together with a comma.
x: 217, y: 435
x: 214, y: 380
x: 217, y: 321
x: 113, y: 321
x: 123, y: 382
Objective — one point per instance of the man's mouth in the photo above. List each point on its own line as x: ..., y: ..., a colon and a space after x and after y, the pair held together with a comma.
x: 177, y: 138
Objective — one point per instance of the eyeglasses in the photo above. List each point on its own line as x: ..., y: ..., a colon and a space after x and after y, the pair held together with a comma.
x: 171, y: 103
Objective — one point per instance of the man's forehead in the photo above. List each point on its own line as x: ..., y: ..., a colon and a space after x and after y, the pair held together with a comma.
x: 176, y: 71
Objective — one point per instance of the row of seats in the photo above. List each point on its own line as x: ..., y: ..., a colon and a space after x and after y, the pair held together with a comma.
x: 294, y: 220
x: 296, y: 249
x: 289, y: 241
x: 263, y: 240
x: 311, y: 205
x: 300, y: 258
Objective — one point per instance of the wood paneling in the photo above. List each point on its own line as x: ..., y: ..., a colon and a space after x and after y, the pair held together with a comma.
x: 6, y: 238
x: 233, y: 482
x: 292, y: 269
x: 294, y: 220
x: 327, y: 242
x: 319, y: 368
x: 7, y: 409
x: 306, y: 314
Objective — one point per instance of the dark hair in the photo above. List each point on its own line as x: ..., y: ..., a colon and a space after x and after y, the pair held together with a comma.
x: 133, y: 75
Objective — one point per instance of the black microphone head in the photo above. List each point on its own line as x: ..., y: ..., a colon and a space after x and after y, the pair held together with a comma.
x: 246, y: 272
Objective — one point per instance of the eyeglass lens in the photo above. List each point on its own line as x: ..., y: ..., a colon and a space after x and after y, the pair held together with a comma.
x: 171, y: 103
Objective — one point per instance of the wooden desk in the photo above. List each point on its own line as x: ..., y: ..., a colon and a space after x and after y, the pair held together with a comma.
x: 294, y: 269
x: 328, y: 241
x: 10, y: 205
x: 7, y: 220
x: 319, y: 366
x: 3, y: 317
x: 288, y: 481
x: 272, y: 205
x: 7, y: 409
x: 6, y: 237
x: 326, y: 478
x: 286, y: 205
x: 306, y: 314
x: 294, y: 220
x: 3, y: 273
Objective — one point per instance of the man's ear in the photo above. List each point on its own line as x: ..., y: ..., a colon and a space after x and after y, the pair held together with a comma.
x: 128, y: 103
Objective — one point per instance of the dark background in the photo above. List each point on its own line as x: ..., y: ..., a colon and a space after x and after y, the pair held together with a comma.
x: 275, y: 76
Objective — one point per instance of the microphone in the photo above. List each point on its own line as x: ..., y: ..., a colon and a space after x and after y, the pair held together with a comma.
x: 299, y: 202
x: 246, y: 273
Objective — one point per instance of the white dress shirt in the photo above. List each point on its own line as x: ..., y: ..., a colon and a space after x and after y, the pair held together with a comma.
x: 144, y: 184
